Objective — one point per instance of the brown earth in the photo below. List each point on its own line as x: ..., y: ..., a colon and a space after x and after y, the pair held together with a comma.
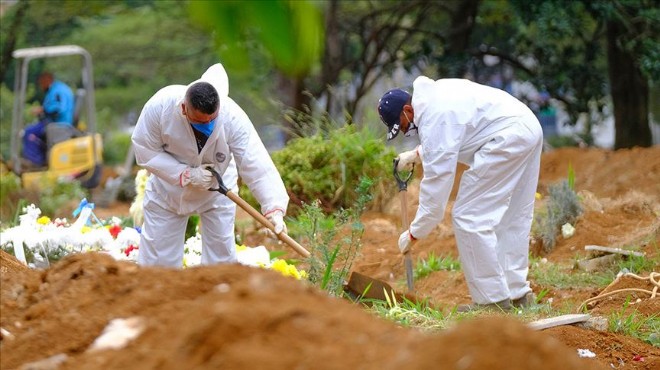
x: 237, y: 317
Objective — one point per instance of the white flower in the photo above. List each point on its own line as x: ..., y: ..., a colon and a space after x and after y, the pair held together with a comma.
x: 256, y: 257
x: 567, y: 230
x: 127, y: 237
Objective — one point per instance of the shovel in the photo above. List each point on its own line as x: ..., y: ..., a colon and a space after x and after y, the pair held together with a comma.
x: 403, y: 188
x: 255, y: 214
x: 363, y: 286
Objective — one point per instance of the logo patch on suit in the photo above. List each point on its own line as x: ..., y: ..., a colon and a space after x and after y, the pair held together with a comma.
x: 220, y: 157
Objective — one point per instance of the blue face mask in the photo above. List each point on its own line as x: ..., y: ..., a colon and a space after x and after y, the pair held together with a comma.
x: 204, y: 128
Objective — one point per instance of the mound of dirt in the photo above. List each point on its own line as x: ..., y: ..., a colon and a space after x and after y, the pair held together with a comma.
x: 237, y: 317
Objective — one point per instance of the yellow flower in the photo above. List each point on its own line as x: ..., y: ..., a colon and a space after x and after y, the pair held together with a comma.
x: 43, y: 220
x: 287, y: 270
x: 538, y: 196
x: 240, y: 248
x: 85, y: 229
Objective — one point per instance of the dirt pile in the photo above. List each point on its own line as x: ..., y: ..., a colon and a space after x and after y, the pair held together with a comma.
x: 236, y: 317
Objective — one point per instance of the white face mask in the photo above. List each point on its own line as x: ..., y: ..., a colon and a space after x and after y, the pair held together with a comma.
x: 412, y: 127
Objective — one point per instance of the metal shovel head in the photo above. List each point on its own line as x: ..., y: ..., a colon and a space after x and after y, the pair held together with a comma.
x: 360, y: 286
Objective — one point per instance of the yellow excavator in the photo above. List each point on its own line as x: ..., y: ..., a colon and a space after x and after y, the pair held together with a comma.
x: 74, y: 154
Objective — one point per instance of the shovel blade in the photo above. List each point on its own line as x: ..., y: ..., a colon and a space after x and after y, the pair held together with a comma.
x: 365, y: 287
x: 409, y: 272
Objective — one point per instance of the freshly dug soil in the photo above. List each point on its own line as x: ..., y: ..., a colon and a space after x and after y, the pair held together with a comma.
x: 236, y: 317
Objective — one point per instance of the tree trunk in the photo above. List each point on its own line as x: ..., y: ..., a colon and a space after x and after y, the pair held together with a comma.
x: 291, y: 92
x: 463, y: 20
x: 10, y: 40
x: 630, y: 93
x: 332, y: 54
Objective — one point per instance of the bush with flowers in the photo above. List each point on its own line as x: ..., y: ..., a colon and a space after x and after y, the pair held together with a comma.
x: 38, y: 240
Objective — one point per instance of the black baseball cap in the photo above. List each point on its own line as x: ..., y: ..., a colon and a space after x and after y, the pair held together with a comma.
x: 390, y: 106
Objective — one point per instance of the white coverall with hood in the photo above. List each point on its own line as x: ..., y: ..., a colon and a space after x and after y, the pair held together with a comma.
x: 165, y: 145
x: 501, y: 140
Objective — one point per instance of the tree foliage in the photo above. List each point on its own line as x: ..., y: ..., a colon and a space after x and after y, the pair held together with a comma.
x: 560, y: 46
x: 291, y: 31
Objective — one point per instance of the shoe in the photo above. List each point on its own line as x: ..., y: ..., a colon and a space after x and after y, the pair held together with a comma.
x: 500, y: 306
x: 525, y: 301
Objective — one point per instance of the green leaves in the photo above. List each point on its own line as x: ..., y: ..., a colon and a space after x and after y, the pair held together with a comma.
x: 328, y: 168
x: 291, y: 31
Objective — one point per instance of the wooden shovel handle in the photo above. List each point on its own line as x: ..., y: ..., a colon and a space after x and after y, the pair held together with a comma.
x: 266, y: 223
x: 254, y: 213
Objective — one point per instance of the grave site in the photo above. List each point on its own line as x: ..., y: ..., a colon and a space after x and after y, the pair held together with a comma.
x: 90, y: 310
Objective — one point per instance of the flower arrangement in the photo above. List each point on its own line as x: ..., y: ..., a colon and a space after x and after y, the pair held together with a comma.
x: 135, y: 210
x: 38, y: 240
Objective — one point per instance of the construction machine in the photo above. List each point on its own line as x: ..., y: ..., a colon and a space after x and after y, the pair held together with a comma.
x: 72, y: 154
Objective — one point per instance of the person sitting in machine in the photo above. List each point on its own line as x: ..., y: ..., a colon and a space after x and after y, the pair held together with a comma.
x: 55, y: 120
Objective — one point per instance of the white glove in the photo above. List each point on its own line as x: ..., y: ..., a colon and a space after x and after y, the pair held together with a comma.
x: 196, y: 176
x: 405, y: 240
x: 407, y: 159
x: 276, y: 217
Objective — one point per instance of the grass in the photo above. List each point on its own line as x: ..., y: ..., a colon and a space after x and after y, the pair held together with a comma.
x: 424, y: 317
x: 635, y: 325
x: 424, y: 267
x: 564, y: 277
x: 411, y: 314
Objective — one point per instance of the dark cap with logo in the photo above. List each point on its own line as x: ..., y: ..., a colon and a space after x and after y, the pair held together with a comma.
x: 389, y: 109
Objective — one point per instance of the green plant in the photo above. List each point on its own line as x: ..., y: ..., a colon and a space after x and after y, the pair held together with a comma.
x: 191, y: 226
x: 331, y: 251
x: 559, y: 141
x: 638, y: 264
x: 61, y: 198
x: 10, y: 193
x: 563, y: 206
x: 635, y: 324
x: 571, y: 177
x: 115, y: 147
x: 433, y: 263
x: 327, y: 167
x: 554, y: 275
x: 408, y: 313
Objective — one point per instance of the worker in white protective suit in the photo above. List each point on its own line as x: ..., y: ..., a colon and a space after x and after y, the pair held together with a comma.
x: 500, y: 139
x: 182, y: 130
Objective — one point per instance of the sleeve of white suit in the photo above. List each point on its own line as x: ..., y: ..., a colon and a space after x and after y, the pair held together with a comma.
x: 149, y: 152
x: 440, y: 157
x: 255, y: 166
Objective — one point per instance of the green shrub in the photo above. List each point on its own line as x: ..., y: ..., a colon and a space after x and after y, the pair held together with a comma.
x: 115, y: 147
x: 61, y: 199
x: 562, y: 141
x: 10, y: 193
x: 327, y: 168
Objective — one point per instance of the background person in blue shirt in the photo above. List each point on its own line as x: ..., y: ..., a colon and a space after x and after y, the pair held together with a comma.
x: 57, y: 106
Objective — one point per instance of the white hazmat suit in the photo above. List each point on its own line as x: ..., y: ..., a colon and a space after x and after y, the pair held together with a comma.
x: 165, y: 145
x: 501, y: 140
